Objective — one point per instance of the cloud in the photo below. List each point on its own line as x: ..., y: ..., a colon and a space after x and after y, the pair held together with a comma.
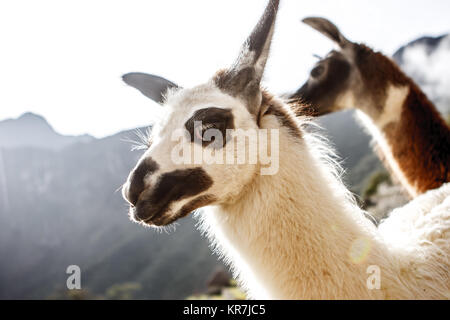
x: 431, y: 69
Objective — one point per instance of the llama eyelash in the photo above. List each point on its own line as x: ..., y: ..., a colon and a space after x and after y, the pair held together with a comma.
x: 208, y: 126
x: 201, y: 129
x: 315, y: 55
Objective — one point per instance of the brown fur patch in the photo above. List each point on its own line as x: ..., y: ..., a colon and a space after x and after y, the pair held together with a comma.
x: 377, y: 72
x: 420, y: 141
x: 241, y: 83
x: 269, y: 105
x: 232, y: 82
x: 321, y: 92
x: 423, y: 154
x: 273, y: 107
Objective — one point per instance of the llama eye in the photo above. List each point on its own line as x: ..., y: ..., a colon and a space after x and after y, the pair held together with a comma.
x: 199, y: 126
x: 317, y: 71
x: 200, y: 130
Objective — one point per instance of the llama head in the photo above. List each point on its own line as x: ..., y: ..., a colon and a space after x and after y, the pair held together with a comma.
x: 168, y: 181
x: 352, y: 76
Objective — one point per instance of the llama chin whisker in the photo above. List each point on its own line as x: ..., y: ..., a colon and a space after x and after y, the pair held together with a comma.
x: 135, y: 145
x: 167, y: 229
x: 120, y: 188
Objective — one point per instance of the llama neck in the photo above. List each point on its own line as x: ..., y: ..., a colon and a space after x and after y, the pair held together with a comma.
x: 296, y: 234
x: 413, y: 139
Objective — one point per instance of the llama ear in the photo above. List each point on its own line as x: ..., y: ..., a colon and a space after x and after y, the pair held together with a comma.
x: 328, y: 29
x: 244, y: 77
x: 153, y: 87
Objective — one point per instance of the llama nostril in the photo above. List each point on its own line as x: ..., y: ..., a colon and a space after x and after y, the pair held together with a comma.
x: 136, y: 184
x: 134, y: 191
x: 125, y: 188
x: 130, y: 194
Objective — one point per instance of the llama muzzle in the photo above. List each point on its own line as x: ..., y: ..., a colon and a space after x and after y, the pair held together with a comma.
x: 153, y: 204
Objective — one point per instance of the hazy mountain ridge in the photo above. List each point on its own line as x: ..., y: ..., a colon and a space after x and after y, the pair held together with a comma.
x: 427, y: 61
x: 32, y: 130
x: 429, y: 45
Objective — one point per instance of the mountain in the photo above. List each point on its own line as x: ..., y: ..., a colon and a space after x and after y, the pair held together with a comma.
x: 32, y: 130
x: 427, y: 61
x: 427, y: 44
x: 60, y: 207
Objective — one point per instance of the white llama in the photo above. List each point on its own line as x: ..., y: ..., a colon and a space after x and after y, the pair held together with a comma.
x: 412, y: 138
x: 296, y: 234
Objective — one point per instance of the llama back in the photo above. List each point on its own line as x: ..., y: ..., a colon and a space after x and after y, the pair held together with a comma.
x: 419, y: 235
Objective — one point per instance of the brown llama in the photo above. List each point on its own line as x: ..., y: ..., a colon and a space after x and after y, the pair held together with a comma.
x: 412, y: 138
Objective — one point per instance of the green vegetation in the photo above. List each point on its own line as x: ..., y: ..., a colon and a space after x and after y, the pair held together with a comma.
x: 229, y: 292
x: 120, y: 291
x: 123, y: 291
x: 374, y: 181
x: 82, y: 294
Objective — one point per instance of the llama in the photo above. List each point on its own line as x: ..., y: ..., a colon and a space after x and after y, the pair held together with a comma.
x: 412, y: 138
x: 293, y: 234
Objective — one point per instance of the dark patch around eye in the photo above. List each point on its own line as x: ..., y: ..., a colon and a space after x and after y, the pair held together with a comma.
x: 338, y: 72
x: 213, y: 118
x: 317, y: 71
x: 322, y: 94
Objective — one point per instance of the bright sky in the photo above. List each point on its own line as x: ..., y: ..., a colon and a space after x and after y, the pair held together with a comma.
x: 64, y: 59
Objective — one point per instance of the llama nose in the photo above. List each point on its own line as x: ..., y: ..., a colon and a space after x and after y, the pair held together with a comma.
x: 136, y: 183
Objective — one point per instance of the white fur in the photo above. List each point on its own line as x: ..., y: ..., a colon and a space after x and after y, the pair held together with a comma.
x: 381, y: 141
x: 345, y: 101
x: 392, y: 110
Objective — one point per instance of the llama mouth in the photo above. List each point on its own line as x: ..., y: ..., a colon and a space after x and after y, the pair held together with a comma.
x: 159, y: 220
x: 150, y: 214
